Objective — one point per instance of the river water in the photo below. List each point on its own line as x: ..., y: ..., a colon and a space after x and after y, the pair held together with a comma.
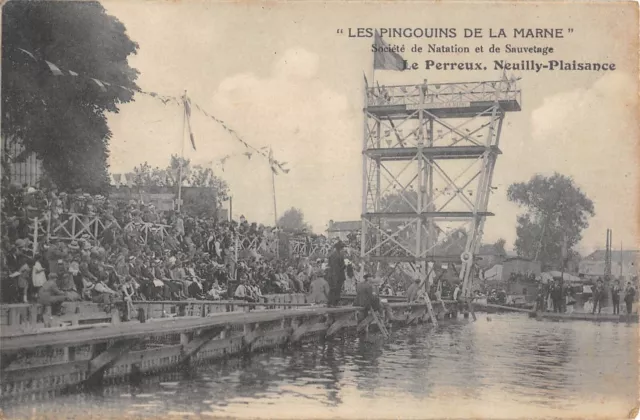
x: 501, y: 366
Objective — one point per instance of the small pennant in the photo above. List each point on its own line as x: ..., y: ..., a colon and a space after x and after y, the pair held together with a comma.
x: 73, y: 73
x: 187, y: 106
x: 54, y: 69
x: 28, y: 53
x: 100, y: 85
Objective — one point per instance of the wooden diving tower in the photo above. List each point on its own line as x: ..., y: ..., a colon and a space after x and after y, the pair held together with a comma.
x: 429, y: 151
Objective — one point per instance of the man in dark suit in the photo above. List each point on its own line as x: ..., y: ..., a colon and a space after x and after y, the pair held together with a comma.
x: 336, y: 275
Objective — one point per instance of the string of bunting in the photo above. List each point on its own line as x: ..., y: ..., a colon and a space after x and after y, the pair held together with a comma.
x: 58, y: 71
x: 276, y: 166
x: 223, y: 160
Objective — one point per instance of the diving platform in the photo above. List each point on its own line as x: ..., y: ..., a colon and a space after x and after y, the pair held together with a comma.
x: 443, y: 100
x: 410, y: 258
x: 435, y: 153
x: 454, y: 110
x: 439, y: 215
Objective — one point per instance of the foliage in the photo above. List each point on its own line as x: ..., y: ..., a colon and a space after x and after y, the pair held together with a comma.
x: 498, y: 247
x: 293, y: 221
x: 62, y: 118
x: 214, y: 190
x: 454, y: 243
x: 556, y: 210
x: 397, y: 202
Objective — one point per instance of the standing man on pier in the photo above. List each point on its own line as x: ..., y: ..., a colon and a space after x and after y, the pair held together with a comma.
x: 336, y: 276
x: 615, y: 297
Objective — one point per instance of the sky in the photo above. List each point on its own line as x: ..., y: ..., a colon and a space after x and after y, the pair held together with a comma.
x: 282, y: 76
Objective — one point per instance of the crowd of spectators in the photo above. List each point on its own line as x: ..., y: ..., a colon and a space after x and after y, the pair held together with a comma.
x: 182, y: 257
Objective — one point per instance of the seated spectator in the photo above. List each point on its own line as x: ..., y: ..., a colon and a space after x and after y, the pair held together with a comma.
x: 318, y: 289
x: 66, y: 284
x: 102, y: 293
x: 242, y: 293
x: 50, y: 295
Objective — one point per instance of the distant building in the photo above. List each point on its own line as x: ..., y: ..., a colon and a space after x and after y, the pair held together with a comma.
x: 488, y: 256
x: 623, y: 263
x: 522, y: 282
x: 163, y: 198
x: 341, y: 230
x: 500, y: 273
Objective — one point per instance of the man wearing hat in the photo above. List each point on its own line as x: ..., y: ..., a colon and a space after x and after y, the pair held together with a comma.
x: 336, y: 276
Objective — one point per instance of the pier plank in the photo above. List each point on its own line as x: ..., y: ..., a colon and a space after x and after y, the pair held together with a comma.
x: 198, y: 342
x: 159, y: 328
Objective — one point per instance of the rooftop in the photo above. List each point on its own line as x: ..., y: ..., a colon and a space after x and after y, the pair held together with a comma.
x: 348, y: 226
x: 616, y: 256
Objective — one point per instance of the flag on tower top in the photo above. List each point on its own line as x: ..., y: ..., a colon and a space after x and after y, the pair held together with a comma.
x: 384, y: 58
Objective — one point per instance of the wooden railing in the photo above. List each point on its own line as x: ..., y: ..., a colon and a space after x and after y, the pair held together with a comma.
x: 73, y: 226
x: 25, y: 317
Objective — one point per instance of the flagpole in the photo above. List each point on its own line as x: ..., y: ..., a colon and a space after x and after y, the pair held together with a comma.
x: 273, y: 184
x: 275, y: 210
x: 184, y: 122
x: 373, y: 69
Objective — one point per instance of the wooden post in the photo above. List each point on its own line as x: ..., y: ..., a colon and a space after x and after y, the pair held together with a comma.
x: 35, y: 236
x: 73, y: 225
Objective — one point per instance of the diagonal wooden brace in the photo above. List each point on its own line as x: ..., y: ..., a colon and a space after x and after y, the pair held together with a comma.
x: 108, y: 357
x: 416, y: 314
x: 339, y: 323
x: 191, y: 347
x: 300, y: 330
x: 365, y: 322
x: 250, y: 334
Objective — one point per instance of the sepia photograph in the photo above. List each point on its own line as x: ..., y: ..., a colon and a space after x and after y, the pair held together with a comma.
x: 319, y: 210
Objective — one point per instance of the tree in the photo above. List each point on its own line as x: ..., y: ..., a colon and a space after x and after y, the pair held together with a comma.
x: 557, y: 211
x: 397, y: 202
x: 498, y: 247
x: 213, y: 190
x: 454, y: 243
x: 62, y: 118
x: 293, y: 221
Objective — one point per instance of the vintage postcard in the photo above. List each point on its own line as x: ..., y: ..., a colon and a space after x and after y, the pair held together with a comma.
x: 319, y: 210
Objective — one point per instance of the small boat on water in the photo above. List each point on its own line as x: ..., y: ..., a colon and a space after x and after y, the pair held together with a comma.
x: 583, y: 316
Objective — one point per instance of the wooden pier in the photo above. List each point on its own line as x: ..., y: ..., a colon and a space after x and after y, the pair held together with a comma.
x: 45, y: 361
x: 494, y: 308
x: 581, y: 316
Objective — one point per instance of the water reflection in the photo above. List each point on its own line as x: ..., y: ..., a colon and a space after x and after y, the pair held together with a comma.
x: 512, y: 362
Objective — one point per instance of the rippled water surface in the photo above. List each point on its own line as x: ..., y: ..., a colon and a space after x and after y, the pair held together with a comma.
x: 501, y: 366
